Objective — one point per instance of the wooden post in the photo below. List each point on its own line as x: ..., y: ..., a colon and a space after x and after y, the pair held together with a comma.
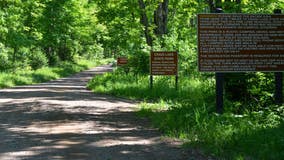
x: 279, y: 88
x: 151, y: 81
x: 176, y: 82
x: 278, y: 79
x: 219, y: 83
x: 150, y: 64
x: 219, y: 92
x: 177, y: 71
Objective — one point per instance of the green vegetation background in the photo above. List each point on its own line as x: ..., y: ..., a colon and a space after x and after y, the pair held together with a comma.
x: 251, y: 126
x: 46, y: 39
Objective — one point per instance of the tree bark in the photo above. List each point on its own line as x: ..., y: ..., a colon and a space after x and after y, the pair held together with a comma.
x: 144, y: 21
x: 161, y: 18
x: 218, y: 4
x: 239, y: 8
x: 211, y: 5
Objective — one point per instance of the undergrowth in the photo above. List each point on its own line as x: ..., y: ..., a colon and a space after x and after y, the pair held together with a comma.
x: 188, y: 113
x: 24, y: 76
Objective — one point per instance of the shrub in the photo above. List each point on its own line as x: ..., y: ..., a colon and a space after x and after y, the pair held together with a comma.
x: 4, y: 61
x: 139, y: 63
x: 4, y: 58
x: 37, y: 59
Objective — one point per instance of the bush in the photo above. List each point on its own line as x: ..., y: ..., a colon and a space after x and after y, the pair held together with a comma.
x: 187, y: 114
x: 4, y: 61
x: 250, y: 91
x: 4, y: 58
x: 139, y: 63
x: 37, y: 59
x: 93, y: 51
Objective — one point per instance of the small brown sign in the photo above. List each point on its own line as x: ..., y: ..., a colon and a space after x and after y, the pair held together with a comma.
x: 240, y: 42
x: 121, y: 61
x: 164, y: 63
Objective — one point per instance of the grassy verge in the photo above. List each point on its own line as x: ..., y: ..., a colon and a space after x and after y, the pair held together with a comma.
x: 189, y: 114
x: 28, y: 76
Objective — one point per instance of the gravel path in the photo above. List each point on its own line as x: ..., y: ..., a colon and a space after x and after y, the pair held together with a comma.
x: 61, y: 120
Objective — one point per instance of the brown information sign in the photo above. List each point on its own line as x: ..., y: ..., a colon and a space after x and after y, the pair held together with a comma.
x: 164, y: 63
x: 121, y: 61
x: 240, y: 42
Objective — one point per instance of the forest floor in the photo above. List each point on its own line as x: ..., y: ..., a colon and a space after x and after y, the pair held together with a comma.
x: 62, y: 119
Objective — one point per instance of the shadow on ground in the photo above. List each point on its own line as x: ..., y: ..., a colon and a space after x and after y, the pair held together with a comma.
x: 61, y: 119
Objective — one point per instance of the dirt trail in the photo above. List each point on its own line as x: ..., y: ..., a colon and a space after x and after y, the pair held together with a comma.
x: 61, y: 120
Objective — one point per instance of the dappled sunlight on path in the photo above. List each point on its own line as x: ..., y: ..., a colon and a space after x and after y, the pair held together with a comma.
x: 61, y: 119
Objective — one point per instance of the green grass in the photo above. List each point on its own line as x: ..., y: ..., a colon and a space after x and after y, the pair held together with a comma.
x: 189, y: 114
x: 28, y: 76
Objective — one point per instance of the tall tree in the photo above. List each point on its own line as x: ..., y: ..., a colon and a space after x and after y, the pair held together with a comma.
x: 14, y: 36
x: 161, y: 18
x: 218, y: 3
x: 211, y: 5
x: 144, y: 20
x: 61, y: 22
x: 239, y: 7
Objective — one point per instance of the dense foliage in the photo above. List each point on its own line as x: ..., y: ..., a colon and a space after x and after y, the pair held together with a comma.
x: 39, y: 33
x: 252, y: 125
x: 133, y: 28
x: 188, y: 113
x: 63, y: 69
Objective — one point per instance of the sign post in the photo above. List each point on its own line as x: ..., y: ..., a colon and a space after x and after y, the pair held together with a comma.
x: 219, y: 91
x: 163, y: 63
x: 278, y: 79
x: 219, y: 77
x: 240, y: 43
x: 151, y: 81
x: 279, y: 88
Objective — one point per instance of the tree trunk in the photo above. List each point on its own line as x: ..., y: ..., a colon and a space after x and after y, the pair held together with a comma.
x: 218, y: 4
x: 161, y: 18
x: 145, y: 22
x: 211, y: 5
x: 16, y: 49
x: 239, y: 7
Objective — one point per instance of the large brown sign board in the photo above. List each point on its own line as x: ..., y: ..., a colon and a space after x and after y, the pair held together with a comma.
x: 240, y: 42
x: 164, y: 63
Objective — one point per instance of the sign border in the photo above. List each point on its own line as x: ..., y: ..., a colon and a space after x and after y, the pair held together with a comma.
x: 228, y: 71
x: 175, y: 52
